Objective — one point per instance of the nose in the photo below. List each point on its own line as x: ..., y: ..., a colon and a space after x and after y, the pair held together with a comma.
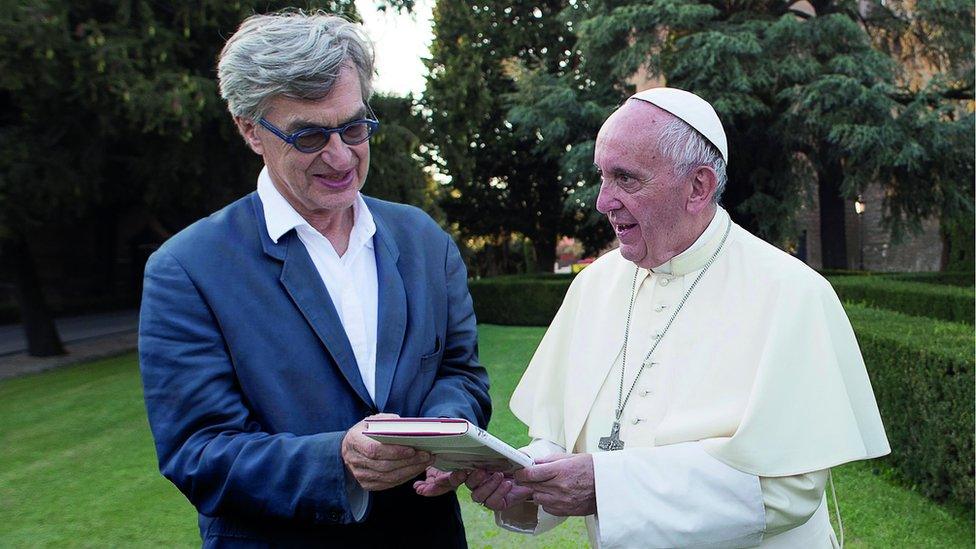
x: 607, y: 200
x: 337, y: 154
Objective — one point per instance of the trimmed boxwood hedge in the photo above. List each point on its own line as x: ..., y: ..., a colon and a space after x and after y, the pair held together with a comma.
x: 532, y: 300
x: 935, y: 301
x: 962, y: 279
x: 922, y: 371
x: 518, y: 300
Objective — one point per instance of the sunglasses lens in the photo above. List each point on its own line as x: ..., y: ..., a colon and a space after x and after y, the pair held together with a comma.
x: 356, y: 133
x: 312, y: 141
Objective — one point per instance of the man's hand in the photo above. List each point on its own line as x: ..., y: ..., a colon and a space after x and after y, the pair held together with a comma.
x: 495, y: 491
x: 562, y: 484
x: 439, y: 482
x: 377, y: 466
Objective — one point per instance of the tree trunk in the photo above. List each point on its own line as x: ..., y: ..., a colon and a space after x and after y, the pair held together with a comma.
x: 946, y: 246
x: 35, y: 316
x: 544, y: 246
x: 833, y: 232
x: 546, y: 226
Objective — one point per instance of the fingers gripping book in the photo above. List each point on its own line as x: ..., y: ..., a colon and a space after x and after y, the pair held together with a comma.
x: 457, y: 444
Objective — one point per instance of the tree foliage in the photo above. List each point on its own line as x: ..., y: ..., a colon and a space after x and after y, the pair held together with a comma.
x: 821, y: 100
x: 108, y: 102
x: 396, y: 166
x: 498, y: 185
x: 112, y: 104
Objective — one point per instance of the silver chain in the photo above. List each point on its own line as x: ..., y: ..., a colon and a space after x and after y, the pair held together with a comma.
x: 621, y: 400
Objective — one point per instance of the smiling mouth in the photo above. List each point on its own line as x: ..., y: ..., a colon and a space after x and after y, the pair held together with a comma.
x: 621, y: 227
x: 336, y: 181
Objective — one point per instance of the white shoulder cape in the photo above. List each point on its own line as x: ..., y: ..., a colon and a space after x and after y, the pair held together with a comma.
x: 770, y: 376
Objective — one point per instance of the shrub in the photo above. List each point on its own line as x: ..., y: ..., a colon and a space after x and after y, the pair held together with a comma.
x: 518, y: 300
x: 963, y: 279
x: 922, y: 373
x: 532, y: 300
x: 912, y: 298
x: 842, y: 272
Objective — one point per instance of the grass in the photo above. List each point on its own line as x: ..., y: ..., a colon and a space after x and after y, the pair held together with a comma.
x: 78, y: 464
x: 77, y: 468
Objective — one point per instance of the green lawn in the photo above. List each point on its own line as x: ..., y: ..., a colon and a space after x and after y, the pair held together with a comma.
x: 77, y: 468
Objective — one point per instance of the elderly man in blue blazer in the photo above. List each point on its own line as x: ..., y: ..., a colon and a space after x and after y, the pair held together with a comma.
x: 270, y: 329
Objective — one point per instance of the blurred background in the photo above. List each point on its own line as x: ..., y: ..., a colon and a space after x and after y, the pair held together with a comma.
x: 851, y: 132
x: 850, y: 123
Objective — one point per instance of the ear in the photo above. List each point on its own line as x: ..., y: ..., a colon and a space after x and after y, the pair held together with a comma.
x: 703, y: 184
x: 248, y: 129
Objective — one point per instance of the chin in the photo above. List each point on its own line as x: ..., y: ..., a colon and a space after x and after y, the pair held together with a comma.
x: 632, y: 255
x: 337, y: 198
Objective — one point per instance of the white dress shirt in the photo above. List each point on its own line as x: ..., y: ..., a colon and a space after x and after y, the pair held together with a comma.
x: 350, y: 278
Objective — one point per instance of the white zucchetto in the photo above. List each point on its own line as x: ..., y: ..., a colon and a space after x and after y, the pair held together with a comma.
x: 694, y: 110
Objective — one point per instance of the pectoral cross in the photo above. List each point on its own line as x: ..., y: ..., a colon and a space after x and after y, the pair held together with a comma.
x: 613, y: 441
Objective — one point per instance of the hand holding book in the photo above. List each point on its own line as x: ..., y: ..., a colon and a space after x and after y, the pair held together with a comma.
x: 377, y: 466
x: 464, y: 453
x: 456, y: 444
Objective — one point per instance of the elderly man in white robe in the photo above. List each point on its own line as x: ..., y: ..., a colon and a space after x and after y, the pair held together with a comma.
x: 697, y: 383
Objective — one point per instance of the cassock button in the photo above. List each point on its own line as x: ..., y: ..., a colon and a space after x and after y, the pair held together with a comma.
x: 660, y: 308
x: 665, y: 281
x: 656, y: 335
x: 637, y: 420
x: 645, y: 392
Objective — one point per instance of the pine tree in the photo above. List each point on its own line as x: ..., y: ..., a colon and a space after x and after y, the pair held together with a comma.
x: 396, y: 169
x: 108, y: 104
x: 498, y: 185
x: 814, y: 100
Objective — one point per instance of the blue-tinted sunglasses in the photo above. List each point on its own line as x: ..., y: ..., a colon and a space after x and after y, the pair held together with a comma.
x: 310, y: 140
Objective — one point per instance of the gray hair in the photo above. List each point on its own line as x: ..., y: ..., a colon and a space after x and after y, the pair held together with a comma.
x: 292, y: 54
x: 688, y: 149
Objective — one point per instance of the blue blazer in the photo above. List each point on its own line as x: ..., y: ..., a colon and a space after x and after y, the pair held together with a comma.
x: 250, y: 382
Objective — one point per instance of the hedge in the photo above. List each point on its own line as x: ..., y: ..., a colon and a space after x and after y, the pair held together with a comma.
x: 532, y: 300
x: 518, y: 300
x: 965, y: 279
x: 935, y: 301
x: 962, y: 279
x: 922, y: 371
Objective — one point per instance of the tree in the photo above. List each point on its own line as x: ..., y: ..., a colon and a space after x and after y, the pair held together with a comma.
x: 396, y: 166
x: 810, y: 99
x: 110, y: 104
x: 498, y: 186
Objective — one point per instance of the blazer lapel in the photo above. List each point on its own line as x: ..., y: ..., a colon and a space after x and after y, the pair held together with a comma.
x: 391, y: 321
x: 303, y: 283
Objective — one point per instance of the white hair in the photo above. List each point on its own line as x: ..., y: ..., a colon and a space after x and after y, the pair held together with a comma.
x: 688, y: 149
x: 292, y: 54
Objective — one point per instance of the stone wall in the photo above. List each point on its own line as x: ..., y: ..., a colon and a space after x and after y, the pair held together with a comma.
x: 865, y: 234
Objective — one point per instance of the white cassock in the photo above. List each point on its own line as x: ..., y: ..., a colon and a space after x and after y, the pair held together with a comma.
x: 755, y: 391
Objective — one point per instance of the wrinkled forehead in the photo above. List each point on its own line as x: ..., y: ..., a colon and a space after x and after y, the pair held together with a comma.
x: 636, y: 125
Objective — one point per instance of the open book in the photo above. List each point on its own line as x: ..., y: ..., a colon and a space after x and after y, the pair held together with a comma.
x: 456, y: 443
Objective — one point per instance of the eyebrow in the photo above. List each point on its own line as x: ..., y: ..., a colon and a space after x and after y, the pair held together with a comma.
x: 299, y: 124
x: 617, y: 171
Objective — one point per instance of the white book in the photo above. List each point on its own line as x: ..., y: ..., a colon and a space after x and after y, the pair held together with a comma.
x: 456, y: 443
